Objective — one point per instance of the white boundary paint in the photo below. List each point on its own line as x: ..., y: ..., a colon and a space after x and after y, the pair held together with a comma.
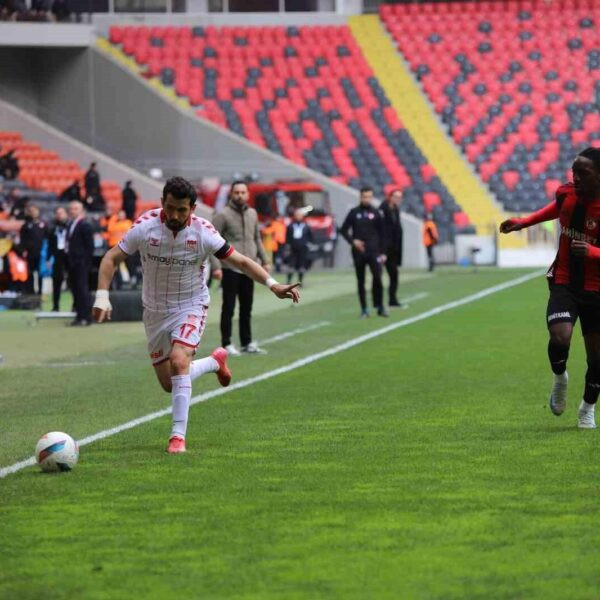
x: 293, y: 365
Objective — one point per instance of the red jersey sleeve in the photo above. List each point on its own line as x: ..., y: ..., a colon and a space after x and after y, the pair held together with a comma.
x: 548, y: 213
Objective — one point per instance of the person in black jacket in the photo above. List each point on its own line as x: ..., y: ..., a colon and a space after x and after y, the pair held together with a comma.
x: 129, y: 201
x: 297, y: 238
x: 363, y: 230
x: 57, y: 241
x: 92, y: 181
x: 392, y: 235
x: 80, y: 253
x: 32, y: 237
x: 73, y: 192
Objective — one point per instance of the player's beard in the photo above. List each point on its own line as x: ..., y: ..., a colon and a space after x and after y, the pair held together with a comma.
x: 175, y: 225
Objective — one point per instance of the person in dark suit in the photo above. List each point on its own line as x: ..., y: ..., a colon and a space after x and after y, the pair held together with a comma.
x: 298, y: 237
x: 80, y: 253
x: 32, y: 235
x: 73, y: 192
x: 57, y: 241
x: 392, y: 235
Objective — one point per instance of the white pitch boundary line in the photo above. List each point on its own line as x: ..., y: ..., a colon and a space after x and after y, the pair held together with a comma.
x: 292, y: 366
x: 287, y: 334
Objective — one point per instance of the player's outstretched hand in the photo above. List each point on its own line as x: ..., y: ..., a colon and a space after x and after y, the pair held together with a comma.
x: 579, y: 248
x: 102, y: 308
x: 287, y: 291
x: 510, y: 225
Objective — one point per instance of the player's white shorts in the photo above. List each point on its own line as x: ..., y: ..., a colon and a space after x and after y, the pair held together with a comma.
x: 163, y: 329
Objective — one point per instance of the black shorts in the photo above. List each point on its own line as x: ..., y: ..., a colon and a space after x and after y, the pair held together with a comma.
x: 566, y: 305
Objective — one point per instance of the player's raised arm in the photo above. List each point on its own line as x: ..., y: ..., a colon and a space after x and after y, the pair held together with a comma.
x: 547, y: 213
x: 102, y: 308
x: 258, y: 274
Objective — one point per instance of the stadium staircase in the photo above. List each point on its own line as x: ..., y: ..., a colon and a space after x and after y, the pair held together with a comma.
x: 517, y: 84
x: 413, y: 109
x: 306, y: 93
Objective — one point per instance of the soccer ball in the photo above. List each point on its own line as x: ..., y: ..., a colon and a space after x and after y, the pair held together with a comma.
x: 56, y: 451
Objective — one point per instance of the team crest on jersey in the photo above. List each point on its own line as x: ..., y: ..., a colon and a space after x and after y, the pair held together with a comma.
x: 591, y: 224
x: 191, y: 243
x: 154, y: 241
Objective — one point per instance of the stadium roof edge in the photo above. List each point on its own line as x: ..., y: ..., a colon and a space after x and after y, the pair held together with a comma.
x: 73, y: 35
x: 103, y: 21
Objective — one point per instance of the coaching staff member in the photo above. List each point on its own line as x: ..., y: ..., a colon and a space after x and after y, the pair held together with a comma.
x: 238, y: 224
x: 80, y: 254
x: 363, y: 230
x: 392, y: 235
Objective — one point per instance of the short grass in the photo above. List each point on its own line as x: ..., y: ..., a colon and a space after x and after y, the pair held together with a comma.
x: 421, y: 464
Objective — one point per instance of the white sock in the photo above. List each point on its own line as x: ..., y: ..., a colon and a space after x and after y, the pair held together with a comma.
x: 586, y: 407
x: 562, y: 378
x: 202, y: 366
x: 180, y: 397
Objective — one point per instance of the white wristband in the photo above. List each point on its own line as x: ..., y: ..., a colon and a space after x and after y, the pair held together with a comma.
x: 102, y: 301
x: 270, y: 282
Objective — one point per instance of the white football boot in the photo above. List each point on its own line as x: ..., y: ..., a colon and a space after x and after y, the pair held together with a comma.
x: 586, y: 418
x: 558, y: 396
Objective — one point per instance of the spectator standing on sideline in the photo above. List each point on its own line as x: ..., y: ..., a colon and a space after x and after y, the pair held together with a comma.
x: 32, y: 236
x: 363, y: 230
x: 430, y: 238
x: 238, y: 224
x: 130, y: 199
x: 92, y: 181
x: 392, y: 235
x: 57, y: 241
x: 80, y: 253
x: 298, y: 237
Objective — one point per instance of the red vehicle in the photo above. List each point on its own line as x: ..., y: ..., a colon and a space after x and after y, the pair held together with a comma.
x: 280, y: 199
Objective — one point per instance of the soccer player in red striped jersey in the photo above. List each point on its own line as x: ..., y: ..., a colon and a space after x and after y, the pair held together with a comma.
x: 574, y: 280
x: 174, y: 246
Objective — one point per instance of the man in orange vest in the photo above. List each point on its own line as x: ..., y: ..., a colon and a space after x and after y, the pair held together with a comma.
x: 430, y: 238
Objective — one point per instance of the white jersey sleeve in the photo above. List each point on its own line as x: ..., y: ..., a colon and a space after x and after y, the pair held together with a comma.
x: 214, y: 242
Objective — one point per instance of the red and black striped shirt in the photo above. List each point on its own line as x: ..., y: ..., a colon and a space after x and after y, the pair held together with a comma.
x: 578, y: 221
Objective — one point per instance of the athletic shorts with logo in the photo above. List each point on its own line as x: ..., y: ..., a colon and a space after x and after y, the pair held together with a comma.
x: 164, y: 329
x: 566, y: 305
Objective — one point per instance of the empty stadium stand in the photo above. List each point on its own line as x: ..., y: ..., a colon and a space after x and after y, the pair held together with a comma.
x: 517, y: 83
x: 44, y: 174
x: 306, y: 93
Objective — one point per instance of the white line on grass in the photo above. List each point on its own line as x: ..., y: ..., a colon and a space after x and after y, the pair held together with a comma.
x: 292, y: 366
x: 287, y: 334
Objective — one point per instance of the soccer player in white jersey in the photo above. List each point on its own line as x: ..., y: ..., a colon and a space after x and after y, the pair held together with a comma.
x: 174, y: 244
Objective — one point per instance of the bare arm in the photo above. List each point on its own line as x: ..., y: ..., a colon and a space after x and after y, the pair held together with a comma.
x: 258, y: 274
x: 110, y: 261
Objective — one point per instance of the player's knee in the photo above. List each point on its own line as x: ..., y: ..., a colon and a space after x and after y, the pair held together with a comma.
x: 179, y: 364
x: 560, y: 339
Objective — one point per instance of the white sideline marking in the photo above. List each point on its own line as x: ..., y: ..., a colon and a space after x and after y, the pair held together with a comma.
x: 287, y: 334
x: 292, y: 366
x: 414, y: 297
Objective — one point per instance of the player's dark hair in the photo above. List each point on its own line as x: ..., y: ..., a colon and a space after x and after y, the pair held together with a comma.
x: 593, y: 154
x: 180, y: 188
x: 366, y: 188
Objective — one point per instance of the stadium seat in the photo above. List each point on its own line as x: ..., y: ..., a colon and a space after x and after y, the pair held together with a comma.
x: 306, y: 93
x: 518, y: 95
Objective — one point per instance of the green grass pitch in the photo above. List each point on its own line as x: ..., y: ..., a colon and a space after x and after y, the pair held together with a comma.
x: 420, y: 464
